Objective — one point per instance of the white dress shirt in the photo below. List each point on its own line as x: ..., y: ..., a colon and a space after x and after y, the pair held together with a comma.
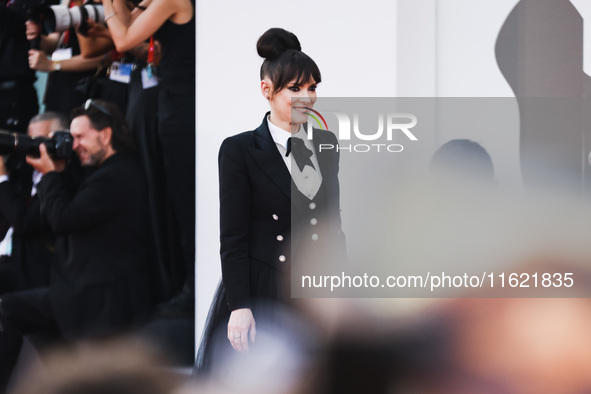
x: 6, y: 244
x: 308, y: 180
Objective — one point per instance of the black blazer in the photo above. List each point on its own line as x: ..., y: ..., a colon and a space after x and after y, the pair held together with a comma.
x: 32, y: 243
x: 256, y: 213
x: 101, y: 286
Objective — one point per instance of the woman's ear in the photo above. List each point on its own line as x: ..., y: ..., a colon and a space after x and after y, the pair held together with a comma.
x: 266, y: 88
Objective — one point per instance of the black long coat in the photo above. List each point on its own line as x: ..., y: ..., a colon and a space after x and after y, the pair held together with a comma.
x: 257, y: 215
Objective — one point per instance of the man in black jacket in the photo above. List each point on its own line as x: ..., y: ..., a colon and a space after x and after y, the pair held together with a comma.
x: 101, y: 287
x: 27, y: 249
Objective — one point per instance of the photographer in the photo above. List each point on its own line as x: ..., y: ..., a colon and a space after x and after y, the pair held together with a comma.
x: 29, y: 243
x: 101, y: 288
x: 18, y: 98
x: 66, y: 66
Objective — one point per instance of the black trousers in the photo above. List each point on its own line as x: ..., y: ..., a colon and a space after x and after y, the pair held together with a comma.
x: 176, y: 129
x: 165, y: 255
x: 27, y: 312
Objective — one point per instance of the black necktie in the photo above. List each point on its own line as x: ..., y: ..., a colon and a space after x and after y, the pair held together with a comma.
x: 301, y: 154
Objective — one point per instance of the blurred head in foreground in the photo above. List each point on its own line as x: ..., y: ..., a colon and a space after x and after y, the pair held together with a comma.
x: 464, y: 346
x: 118, y: 367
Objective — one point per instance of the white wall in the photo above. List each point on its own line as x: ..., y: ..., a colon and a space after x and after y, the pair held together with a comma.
x: 353, y: 43
x: 446, y: 48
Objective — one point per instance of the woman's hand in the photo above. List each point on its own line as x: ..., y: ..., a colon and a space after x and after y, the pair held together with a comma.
x: 3, y: 170
x: 240, y: 325
x: 32, y: 30
x: 38, y: 61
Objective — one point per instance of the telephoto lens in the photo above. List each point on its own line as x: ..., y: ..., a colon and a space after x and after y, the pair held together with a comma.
x: 59, y: 18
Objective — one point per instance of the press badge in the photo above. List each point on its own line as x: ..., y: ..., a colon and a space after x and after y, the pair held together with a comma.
x: 61, y: 54
x: 149, y: 79
x: 120, y: 72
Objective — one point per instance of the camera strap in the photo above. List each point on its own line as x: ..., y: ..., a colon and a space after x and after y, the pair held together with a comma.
x: 64, y: 39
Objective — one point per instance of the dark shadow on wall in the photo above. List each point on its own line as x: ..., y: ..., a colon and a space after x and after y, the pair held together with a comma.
x: 539, y: 51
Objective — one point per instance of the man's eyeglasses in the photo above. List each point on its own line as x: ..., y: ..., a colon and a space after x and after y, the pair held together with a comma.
x: 91, y: 102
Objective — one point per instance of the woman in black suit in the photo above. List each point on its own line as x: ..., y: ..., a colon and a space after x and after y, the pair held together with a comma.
x: 264, y: 196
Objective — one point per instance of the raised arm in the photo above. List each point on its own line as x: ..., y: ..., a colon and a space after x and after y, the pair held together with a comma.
x: 146, y: 23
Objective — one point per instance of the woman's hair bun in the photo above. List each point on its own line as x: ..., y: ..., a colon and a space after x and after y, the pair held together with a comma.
x: 275, y: 41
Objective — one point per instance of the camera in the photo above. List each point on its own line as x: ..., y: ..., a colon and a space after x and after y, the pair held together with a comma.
x: 59, y: 18
x: 35, y: 10
x: 59, y: 146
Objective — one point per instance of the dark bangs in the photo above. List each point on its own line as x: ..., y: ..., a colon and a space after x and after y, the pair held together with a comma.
x: 289, y: 66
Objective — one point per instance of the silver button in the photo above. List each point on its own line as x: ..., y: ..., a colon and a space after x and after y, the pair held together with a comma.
x: 314, y: 237
x: 275, y: 217
x: 313, y: 221
x: 282, y: 258
x: 280, y: 238
x: 312, y: 205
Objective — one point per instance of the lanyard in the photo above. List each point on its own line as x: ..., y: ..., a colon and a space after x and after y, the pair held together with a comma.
x: 150, y: 65
x: 151, y: 51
